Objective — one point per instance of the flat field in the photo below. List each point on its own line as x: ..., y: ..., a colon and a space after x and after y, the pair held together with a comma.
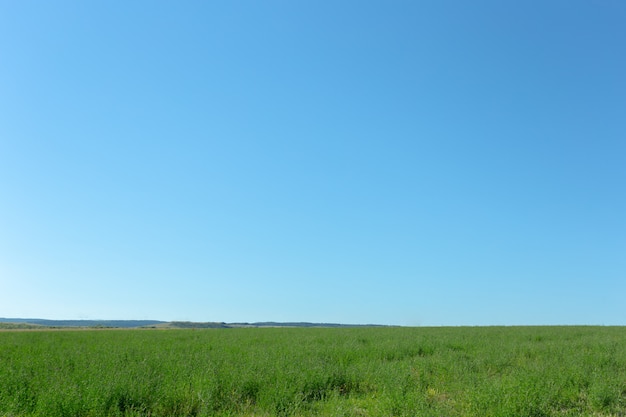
x: 465, y: 371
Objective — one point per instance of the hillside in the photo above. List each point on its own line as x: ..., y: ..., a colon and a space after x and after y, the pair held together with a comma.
x: 81, y: 323
x: 157, y: 324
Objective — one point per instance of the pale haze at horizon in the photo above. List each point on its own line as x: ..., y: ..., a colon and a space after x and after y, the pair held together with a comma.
x: 410, y: 163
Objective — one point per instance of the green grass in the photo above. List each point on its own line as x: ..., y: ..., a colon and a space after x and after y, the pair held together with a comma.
x: 483, y: 371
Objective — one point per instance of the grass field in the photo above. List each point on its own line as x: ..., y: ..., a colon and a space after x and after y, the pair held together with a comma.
x: 483, y: 371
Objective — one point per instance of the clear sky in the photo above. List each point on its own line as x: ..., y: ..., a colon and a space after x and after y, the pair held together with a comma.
x: 392, y: 162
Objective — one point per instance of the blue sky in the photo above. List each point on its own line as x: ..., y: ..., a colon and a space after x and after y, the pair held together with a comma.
x: 405, y: 162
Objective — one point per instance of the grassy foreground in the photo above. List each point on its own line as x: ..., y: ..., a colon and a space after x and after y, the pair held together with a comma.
x: 483, y: 371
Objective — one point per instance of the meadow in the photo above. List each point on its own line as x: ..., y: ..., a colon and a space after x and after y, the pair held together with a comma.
x: 394, y: 371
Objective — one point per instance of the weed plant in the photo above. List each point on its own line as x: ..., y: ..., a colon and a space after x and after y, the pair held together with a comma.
x: 482, y: 371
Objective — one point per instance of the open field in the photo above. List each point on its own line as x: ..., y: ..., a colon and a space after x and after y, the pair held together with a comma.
x: 482, y: 371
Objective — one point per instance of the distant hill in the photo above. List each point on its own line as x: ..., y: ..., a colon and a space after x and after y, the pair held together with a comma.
x: 299, y: 324
x: 127, y: 324
x: 18, y: 326
x: 83, y: 323
x: 221, y: 325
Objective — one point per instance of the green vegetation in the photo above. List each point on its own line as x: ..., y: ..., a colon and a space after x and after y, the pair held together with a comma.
x: 483, y: 371
x: 18, y: 326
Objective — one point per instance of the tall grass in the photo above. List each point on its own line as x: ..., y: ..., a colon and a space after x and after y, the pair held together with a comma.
x: 490, y: 371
